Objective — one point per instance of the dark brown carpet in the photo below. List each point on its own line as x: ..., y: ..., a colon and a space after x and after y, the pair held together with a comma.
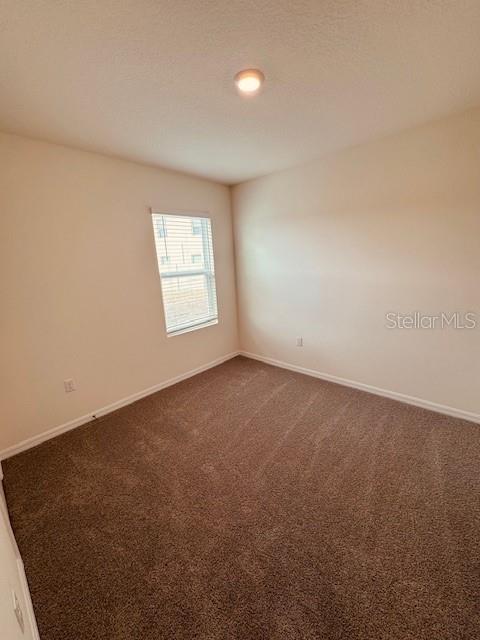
x: 252, y: 502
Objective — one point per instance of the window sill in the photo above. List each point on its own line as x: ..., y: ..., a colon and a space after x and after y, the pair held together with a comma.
x: 194, y: 327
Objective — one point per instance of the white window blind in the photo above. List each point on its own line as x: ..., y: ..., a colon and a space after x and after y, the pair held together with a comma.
x: 185, y: 262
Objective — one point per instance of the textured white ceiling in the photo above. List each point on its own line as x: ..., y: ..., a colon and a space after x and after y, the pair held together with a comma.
x: 151, y: 80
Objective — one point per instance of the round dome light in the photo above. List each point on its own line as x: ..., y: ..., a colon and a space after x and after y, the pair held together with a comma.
x: 249, y: 81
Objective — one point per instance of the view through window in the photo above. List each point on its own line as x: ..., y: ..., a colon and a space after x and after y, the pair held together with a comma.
x: 185, y: 261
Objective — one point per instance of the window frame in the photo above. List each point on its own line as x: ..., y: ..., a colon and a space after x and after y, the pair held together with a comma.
x: 208, y: 272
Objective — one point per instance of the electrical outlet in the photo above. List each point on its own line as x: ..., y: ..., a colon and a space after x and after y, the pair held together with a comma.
x: 299, y: 341
x: 69, y: 385
x: 18, y: 611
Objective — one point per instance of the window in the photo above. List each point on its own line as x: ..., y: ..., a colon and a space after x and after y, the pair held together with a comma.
x: 196, y: 226
x: 185, y: 261
x: 161, y: 230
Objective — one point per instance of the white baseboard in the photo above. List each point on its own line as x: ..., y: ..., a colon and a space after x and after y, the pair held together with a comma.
x: 393, y: 395
x: 97, y: 413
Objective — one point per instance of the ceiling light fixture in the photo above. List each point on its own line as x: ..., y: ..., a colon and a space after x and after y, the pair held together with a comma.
x: 249, y: 81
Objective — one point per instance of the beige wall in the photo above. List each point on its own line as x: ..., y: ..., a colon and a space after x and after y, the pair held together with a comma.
x: 79, y: 282
x: 325, y: 250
